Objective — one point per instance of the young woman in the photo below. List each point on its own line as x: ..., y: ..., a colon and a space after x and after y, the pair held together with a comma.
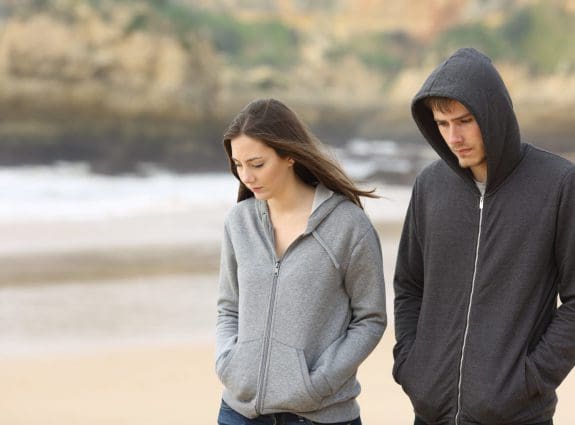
x: 301, y: 299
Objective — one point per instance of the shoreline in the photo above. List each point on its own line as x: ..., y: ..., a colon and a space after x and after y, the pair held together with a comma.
x: 186, y: 241
x: 46, y: 268
x: 130, y: 260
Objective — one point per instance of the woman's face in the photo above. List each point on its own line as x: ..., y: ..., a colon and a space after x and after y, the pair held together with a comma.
x: 260, y: 168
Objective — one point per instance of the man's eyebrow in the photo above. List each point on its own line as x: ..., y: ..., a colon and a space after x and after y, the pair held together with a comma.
x: 467, y: 114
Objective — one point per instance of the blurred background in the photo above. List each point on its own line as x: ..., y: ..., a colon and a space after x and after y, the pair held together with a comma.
x: 114, y: 187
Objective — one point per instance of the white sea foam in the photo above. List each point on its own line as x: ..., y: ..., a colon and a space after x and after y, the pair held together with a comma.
x: 70, y: 192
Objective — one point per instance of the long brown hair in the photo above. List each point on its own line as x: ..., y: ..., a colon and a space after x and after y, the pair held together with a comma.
x: 273, y: 123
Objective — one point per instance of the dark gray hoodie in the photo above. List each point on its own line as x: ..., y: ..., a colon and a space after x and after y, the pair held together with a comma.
x: 292, y: 331
x: 480, y: 339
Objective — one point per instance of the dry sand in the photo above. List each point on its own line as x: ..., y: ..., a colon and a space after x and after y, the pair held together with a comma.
x: 171, y: 386
x: 153, y: 386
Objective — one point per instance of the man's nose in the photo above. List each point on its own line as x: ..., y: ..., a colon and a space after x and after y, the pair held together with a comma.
x: 454, y: 136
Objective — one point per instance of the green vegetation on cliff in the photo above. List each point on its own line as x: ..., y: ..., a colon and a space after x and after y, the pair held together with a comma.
x: 245, y: 44
x: 539, y: 37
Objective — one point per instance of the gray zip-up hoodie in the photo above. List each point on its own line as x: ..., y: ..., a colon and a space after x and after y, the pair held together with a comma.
x: 292, y: 331
x: 480, y: 339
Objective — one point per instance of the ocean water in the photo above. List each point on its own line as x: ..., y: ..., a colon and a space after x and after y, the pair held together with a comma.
x: 69, y: 191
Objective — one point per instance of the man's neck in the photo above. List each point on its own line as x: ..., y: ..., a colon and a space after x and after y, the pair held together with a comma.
x: 480, y: 173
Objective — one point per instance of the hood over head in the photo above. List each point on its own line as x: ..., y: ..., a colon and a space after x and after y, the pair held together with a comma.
x: 469, y: 77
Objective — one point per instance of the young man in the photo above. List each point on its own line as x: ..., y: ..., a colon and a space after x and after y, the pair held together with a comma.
x: 488, y: 243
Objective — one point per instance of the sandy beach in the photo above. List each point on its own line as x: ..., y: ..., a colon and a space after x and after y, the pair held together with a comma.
x: 172, y: 385
x: 111, y: 322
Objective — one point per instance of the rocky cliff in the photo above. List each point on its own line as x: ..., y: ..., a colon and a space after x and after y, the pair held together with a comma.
x: 123, y: 82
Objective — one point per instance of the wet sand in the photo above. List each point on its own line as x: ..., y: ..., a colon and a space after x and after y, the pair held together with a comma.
x: 156, y: 377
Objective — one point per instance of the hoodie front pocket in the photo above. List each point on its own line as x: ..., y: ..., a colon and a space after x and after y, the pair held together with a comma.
x: 398, y: 368
x: 239, y: 372
x: 501, y: 395
x: 289, y: 386
x: 427, y: 383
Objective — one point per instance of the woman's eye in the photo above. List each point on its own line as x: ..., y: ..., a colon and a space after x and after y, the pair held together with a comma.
x: 258, y: 165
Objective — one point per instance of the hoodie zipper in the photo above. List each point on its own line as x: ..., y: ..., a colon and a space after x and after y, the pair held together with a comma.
x: 469, y: 311
x: 262, y: 378
x: 267, y: 336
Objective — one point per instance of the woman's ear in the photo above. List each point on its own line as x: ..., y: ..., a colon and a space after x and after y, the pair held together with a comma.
x: 291, y: 161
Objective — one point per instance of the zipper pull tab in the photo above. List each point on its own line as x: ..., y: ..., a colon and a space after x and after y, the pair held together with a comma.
x: 481, y: 203
x: 277, y: 268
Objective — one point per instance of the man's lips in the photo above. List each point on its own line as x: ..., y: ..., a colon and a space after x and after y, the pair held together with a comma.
x: 463, y: 151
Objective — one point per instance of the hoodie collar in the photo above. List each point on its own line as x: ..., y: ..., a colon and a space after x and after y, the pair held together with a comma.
x: 469, y: 77
x: 322, y: 194
x: 324, y: 202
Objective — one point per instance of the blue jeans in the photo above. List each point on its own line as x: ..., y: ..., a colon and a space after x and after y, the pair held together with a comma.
x: 229, y: 416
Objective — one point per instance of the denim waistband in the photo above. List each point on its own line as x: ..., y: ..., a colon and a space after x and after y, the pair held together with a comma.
x: 281, y: 418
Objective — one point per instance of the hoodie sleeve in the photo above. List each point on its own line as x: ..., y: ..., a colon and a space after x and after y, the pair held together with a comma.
x: 364, y: 283
x: 554, y: 356
x: 408, y: 287
x: 227, y: 304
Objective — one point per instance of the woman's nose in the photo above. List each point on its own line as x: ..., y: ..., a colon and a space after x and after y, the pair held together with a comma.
x: 246, y: 176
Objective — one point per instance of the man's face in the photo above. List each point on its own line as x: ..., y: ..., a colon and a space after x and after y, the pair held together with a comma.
x: 462, y: 134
